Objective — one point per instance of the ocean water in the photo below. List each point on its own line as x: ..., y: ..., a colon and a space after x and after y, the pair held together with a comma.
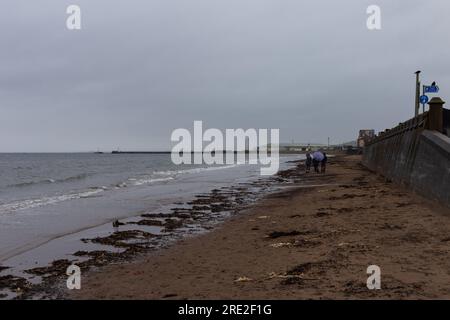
x: 36, y: 180
x: 44, y: 197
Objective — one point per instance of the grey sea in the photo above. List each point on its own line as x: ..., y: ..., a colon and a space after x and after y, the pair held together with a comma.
x: 46, y: 197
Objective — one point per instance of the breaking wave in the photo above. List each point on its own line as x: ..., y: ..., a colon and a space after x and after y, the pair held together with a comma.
x: 49, y: 180
x: 39, y: 202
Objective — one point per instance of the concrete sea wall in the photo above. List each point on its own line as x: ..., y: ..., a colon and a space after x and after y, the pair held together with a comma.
x: 416, y: 155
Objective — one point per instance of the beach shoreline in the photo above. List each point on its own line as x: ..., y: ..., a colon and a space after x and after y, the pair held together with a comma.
x: 313, y: 240
x: 41, y: 273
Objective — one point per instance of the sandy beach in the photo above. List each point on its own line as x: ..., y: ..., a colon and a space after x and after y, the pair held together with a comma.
x: 313, y: 240
x: 186, y: 154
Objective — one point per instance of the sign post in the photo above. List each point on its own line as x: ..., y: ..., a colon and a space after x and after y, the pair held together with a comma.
x: 427, y: 89
x: 430, y: 89
x: 423, y: 100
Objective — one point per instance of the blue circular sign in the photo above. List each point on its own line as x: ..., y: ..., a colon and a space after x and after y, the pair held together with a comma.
x: 423, y: 99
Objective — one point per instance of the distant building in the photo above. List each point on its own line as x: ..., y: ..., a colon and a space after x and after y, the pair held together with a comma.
x: 364, y: 137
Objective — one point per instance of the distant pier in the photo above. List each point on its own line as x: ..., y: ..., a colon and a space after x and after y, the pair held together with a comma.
x: 140, y: 152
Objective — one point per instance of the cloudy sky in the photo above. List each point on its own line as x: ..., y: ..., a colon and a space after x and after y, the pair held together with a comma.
x: 137, y: 70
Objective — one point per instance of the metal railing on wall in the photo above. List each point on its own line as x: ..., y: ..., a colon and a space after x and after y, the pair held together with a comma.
x: 417, y: 123
x: 434, y: 119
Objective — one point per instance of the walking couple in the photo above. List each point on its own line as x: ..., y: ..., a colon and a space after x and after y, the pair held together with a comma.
x: 315, y: 159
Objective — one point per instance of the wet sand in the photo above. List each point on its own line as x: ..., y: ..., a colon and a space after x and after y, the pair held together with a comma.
x: 314, y: 240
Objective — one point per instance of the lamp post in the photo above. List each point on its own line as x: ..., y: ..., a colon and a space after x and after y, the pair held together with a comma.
x: 416, y: 108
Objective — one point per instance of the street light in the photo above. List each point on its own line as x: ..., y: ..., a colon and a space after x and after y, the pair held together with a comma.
x: 416, y: 108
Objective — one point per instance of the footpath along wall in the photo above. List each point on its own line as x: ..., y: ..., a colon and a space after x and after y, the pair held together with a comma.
x: 416, y: 153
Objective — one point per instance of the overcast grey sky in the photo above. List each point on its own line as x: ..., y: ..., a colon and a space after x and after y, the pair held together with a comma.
x: 139, y: 69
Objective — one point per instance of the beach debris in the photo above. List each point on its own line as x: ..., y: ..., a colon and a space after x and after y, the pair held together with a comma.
x: 278, y: 234
x: 346, y: 186
x: 306, y: 243
x: 300, y: 269
x: 119, y: 238
x: 280, y: 244
x: 289, y: 279
x: 100, y: 257
x: 263, y: 217
x: 297, y: 243
x: 296, y: 275
x: 57, y: 267
x: 273, y: 275
x: 322, y: 213
x: 148, y: 222
x: 243, y: 279
x: 166, y: 215
x: 345, y: 210
x: 171, y: 224
x: 347, y: 196
x: 404, y: 204
x: 116, y: 223
x: 14, y: 283
x: 201, y: 208
x: 391, y: 226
